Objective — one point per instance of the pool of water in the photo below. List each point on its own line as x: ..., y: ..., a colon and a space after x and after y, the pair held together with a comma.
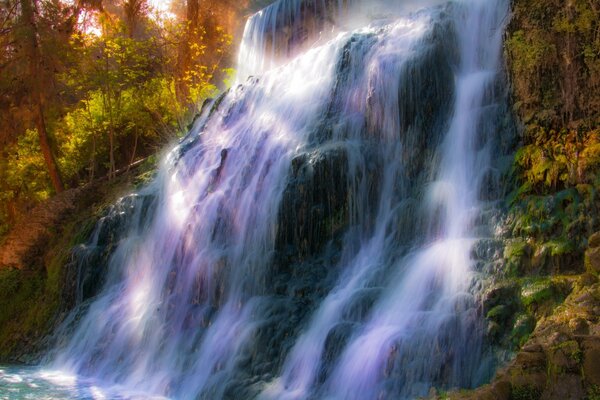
x: 20, y: 382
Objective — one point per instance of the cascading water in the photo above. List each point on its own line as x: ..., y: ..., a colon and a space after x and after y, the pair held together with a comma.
x: 311, y: 237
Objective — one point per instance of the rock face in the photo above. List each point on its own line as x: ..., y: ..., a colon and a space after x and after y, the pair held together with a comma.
x: 85, y: 273
x: 561, y: 359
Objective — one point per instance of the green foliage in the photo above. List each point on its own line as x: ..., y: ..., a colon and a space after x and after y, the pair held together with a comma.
x: 23, y: 176
x: 26, y: 168
x: 554, y: 161
x: 113, y: 95
x: 528, y: 51
x: 555, y: 224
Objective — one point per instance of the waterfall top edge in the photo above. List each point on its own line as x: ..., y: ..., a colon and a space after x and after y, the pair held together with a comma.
x: 287, y: 28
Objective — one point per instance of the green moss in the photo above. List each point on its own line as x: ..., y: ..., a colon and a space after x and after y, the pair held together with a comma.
x: 593, y: 392
x: 571, y: 349
x: 516, y: 249
x: 522, y: 329
x: 514, y: 252
x: 560, y: 247
x: 21, y: 303
x: 525, y: 392
x: 555, y: 225
x: 541, y: 295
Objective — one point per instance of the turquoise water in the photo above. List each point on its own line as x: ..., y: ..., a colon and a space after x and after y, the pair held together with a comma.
x: 19, y: 382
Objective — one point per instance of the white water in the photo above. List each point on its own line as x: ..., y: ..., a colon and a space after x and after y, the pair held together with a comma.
x: 187, y: 293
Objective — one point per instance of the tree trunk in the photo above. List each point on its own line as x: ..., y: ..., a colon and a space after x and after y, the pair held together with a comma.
x: 47, y: 151
x: 35, y: 81
x: 184, y: 56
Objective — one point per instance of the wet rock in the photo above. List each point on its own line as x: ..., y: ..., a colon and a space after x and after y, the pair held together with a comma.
x: 532, y: 348
x: 501, y: 390
x: 86, y: 272
x: 503, y: 294
x: 489, y: 188
x: 487, y: 250
x: 429, y: 84
x: 334, y: 345
x: 314, y: 207
x: 361, y: 304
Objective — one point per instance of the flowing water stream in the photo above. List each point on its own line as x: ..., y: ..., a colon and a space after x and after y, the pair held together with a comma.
x: 312, y: 236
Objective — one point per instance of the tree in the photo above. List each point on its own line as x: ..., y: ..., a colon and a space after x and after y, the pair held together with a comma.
x: 87, y: 87
x: 136, y: 11
x: 35, y: 81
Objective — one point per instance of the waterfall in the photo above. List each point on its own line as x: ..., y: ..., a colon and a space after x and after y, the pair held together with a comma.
x: 311, y: 237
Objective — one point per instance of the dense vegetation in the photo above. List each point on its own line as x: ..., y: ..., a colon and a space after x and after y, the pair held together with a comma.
x: 89, y: 87
x: 553, y: 51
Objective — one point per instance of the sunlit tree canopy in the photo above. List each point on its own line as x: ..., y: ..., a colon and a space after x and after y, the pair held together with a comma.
x: 88, y: 87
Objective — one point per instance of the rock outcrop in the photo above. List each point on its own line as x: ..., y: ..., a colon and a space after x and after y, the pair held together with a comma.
x: 561, y: 359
